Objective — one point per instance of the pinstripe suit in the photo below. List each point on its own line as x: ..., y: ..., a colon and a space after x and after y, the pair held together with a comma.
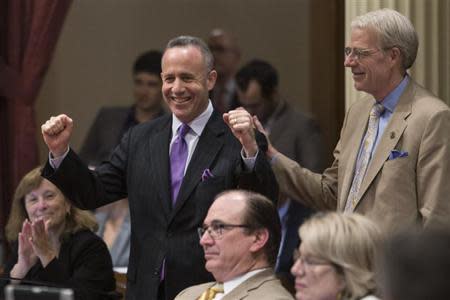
x: 139, y: 169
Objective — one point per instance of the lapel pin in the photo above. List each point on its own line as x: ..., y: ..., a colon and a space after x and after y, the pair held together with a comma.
x: 392, y: 135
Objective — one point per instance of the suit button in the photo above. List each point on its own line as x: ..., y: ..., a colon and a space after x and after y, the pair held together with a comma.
x: 156, y: 272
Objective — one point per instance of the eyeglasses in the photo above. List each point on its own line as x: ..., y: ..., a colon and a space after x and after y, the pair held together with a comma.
x: 215, y: 230
x: 309, y: 261
x: 359, y: 53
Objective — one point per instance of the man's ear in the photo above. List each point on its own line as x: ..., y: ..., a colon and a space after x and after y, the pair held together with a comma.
x: 211, y: 79
x: 261, y: 236
x: 396, y: 56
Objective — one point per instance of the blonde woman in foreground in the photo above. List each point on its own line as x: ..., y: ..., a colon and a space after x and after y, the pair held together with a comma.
x: 336, y: 258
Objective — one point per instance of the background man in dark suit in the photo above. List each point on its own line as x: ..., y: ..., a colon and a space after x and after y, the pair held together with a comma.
x: 109, y: 126
x: 165, y: 256
x: 294, y: 134
x: 112, y: 122
x: 227, y: 56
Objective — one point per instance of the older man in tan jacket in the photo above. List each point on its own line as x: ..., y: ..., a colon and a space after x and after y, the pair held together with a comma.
x: 392, y: 160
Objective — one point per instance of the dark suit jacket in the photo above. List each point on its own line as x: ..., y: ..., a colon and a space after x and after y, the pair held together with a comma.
x: 105, y: 133
x: 297, y: 136
x: 232, y: 104
x: 140, y: 167
x: 83, y: 264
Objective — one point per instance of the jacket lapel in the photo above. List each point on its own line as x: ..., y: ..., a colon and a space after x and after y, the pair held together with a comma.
x: 252, y: 283
x: 391, y: 135
x: 354, y: 139
x: 208, y: 147
x: 159, y: 144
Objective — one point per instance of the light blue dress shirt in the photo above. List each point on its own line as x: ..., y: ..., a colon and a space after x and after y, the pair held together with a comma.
x: 389, y: 103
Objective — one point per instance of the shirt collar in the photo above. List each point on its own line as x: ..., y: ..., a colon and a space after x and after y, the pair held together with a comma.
x: 198, y: 124
x: 391, y: 100
x: 229, y: 285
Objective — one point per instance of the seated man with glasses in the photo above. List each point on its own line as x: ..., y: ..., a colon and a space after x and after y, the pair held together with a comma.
x: 240, y: 237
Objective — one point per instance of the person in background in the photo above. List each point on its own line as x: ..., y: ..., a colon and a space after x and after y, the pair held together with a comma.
x: 240, y: 238
x: 227, y: 56
x: 390, y: 162
x: 294, y: 134
x: 53, y: 242
x: 336, y: 259
x: 415, y: 265
x: 111, y: 123
x: 171, y: 169
x: 109, y: 126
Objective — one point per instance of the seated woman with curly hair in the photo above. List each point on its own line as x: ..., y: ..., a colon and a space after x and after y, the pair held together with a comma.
x: 336, y: 258
x: 53, y: 242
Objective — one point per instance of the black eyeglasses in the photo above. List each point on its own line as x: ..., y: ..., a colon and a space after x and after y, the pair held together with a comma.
x: 215, y: 230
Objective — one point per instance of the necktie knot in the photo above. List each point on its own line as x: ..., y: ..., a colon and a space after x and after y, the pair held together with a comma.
x: 211, y: 292
x: 377, y: 110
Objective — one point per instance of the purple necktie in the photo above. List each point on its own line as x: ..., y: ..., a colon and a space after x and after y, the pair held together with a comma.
x: 178, y: 158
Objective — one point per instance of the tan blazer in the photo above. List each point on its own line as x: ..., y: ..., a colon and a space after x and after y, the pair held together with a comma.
x: 262, y: 286
x: 394, y: 192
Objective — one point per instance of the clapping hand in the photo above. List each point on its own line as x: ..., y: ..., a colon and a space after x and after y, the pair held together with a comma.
x: 34, y: 243
x: 26, y: 256
x: 40, y: 241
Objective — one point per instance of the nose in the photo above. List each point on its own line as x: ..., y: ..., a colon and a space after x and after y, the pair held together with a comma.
x: 178, y: 86
x: 206, y: 239
x: 297, y: 269
x: 350, y: 61
x: 42, y: 204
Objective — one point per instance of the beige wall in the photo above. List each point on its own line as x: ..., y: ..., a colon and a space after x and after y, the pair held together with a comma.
x: 101, y: 38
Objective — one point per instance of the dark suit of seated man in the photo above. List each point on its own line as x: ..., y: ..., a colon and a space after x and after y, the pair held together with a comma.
x: 168, y: 200
x: 240, y: 238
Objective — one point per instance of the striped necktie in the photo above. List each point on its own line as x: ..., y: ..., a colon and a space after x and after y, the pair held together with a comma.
x: 365, y: 156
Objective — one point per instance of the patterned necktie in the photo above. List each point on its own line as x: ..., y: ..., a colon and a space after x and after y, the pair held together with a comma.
x: 365, y: 155
x: 178, y: 158
x: 211, y: 292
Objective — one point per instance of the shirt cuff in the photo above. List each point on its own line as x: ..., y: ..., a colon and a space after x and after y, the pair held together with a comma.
x: 249, y: 162
x: 55, y: 162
